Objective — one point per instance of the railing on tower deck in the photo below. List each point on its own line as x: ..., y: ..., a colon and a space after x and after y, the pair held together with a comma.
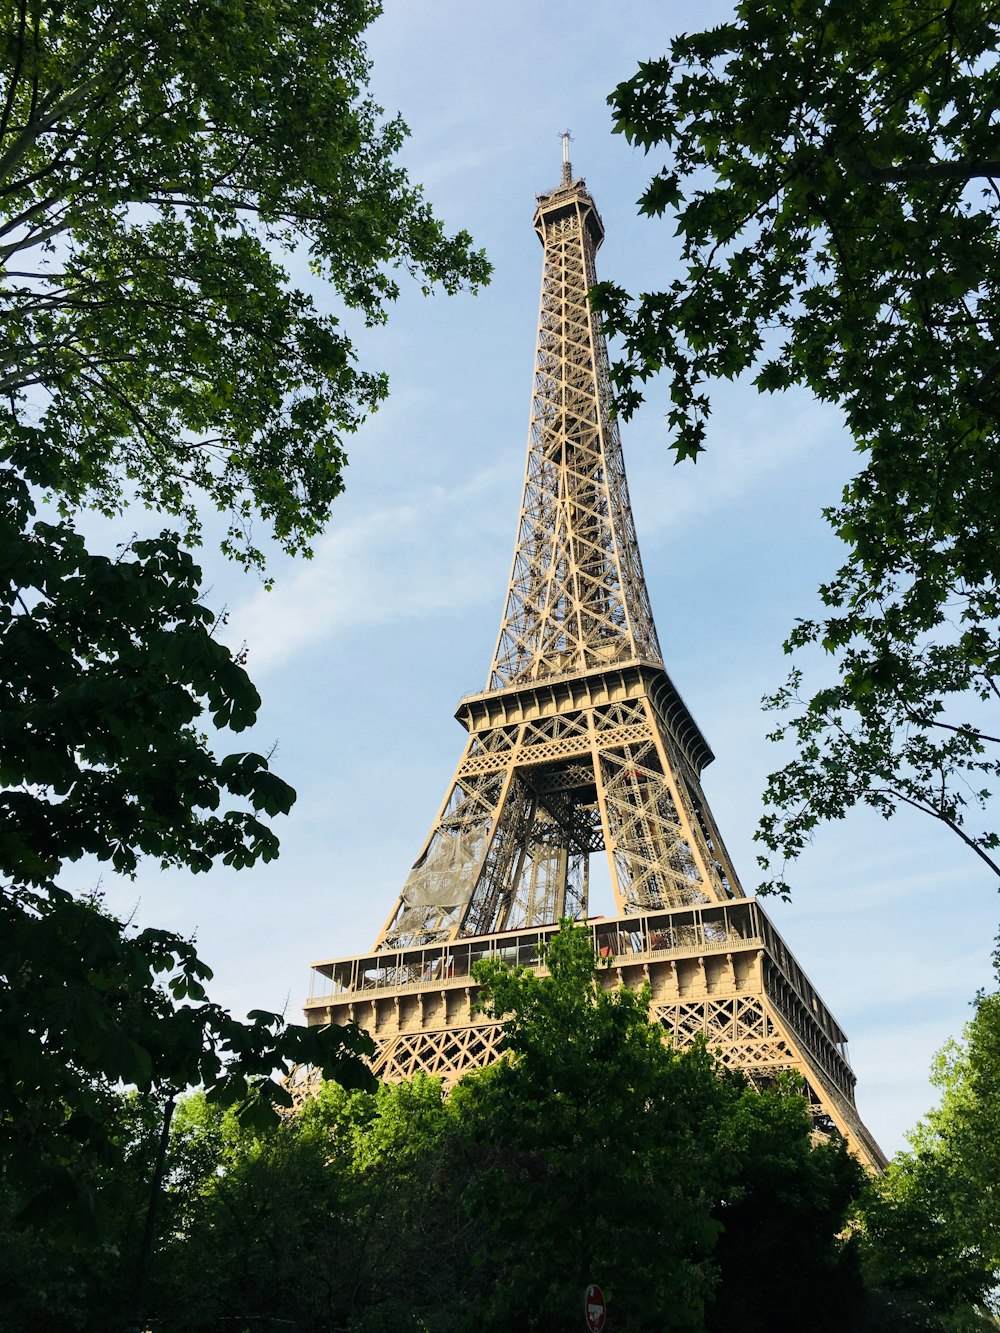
x: 617, y: 941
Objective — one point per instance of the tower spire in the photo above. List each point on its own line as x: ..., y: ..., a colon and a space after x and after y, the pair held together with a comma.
x: 577, y: 596
x: 567, y: 168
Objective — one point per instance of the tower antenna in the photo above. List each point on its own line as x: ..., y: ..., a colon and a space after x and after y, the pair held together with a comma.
x: 567, y: 176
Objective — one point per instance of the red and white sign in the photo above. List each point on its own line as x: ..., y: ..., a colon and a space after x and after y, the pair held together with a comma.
x: 594, y: 1310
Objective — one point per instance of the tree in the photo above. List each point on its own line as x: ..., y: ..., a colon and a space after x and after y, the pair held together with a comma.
x: 832, y: 171
x: 592, y: 1151
x: 784, y: 1207
x: 598, y: 1165
x: 609, y: 1156
x: 963, y: 1130
x: 260, y: 1225
x: 88, y: 1005
x: 159, y: 165
x: 331, y: 1219
x: 920, y: 1269
x: 106, y: 667
x: 931, y: 1231
x: 79, y: 1274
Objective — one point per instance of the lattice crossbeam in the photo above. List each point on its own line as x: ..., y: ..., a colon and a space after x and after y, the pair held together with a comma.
x: 447, y: 1055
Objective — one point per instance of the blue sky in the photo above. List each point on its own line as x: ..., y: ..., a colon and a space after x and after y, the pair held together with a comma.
x: 362, y: 654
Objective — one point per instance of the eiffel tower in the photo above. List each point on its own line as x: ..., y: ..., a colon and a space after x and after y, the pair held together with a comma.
x: 582, y: 744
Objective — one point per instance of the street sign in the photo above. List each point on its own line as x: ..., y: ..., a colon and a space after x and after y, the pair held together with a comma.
x: 594, y: 1310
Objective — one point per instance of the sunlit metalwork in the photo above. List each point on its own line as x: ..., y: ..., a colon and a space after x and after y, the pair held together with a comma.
x: 581, y: 744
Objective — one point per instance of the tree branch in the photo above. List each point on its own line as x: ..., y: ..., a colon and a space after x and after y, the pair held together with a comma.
x: 948, y: 823
x: 15, y: 76
x: 929, y: 171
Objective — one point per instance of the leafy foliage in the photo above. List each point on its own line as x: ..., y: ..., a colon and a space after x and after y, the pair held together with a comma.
x: 611, y: 1157
x: 352, y: 1215
x: 832, y: 174
x: 602, y: 1166
x: 160, y: 166
x: 88, y: 1004
x: 106, y: 666
x: 591, y: 1152
x: 156, y: 160
x: 58, y: 1271
x: 932, y: 1234
x: 783, y: 1207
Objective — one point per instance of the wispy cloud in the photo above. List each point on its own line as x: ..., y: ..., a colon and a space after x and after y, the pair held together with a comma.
x: 407, y: 559
x: 749, y: 444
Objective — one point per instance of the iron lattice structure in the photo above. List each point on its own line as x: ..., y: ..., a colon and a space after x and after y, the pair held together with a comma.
x: 581, y: 744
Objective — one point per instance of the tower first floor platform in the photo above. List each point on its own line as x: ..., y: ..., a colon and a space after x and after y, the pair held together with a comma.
x: 721, y: 971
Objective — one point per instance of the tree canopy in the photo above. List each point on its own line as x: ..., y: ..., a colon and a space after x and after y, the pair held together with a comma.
x: 607, y: 1155
x: 831, y: 168
x: 933, y: 1240
x: 162, y: 168
x: 591, y: 1152
x: 160, y: 165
